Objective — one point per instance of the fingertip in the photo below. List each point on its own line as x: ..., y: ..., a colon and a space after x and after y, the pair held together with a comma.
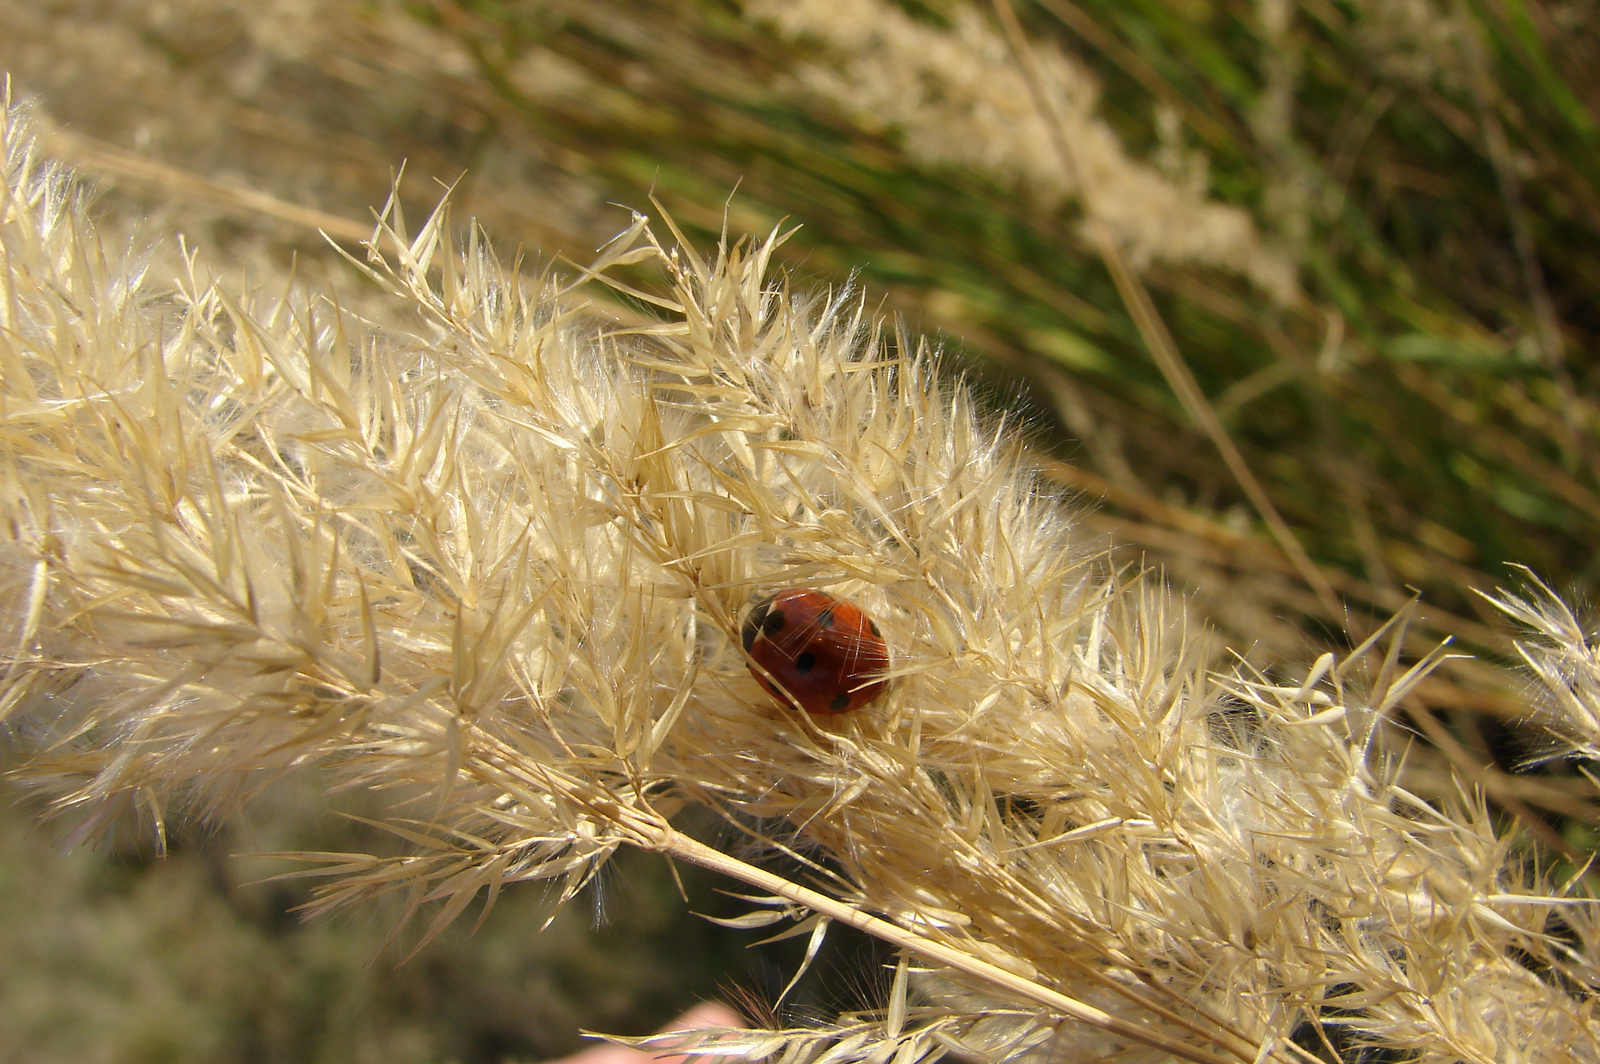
x: 706, y: 1014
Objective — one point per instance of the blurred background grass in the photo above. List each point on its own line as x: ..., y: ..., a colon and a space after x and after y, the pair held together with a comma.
x: 1371, y: 227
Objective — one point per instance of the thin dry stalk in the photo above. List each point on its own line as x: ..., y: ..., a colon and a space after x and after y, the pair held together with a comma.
x: 1159, y: 342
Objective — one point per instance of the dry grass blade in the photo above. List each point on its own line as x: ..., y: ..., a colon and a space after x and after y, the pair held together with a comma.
x: 1158, y: 341
x: 96, y: 157
x: 648, y: 831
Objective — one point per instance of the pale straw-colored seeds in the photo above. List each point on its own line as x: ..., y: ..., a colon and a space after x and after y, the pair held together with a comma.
x: 493, y: 564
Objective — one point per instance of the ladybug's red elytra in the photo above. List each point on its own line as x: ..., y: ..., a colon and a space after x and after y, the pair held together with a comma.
x: 824, y: 651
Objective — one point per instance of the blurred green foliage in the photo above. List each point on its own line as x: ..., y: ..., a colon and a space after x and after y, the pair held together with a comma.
x: 1433, y: 174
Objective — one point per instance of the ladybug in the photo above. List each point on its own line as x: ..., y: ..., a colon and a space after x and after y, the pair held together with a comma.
x: 825, y: 652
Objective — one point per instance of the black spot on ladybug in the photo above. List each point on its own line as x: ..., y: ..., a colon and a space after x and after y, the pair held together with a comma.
x: 773, y: 622
x: 872, y: 624
x: 805, y: 662
x: 840, y: 703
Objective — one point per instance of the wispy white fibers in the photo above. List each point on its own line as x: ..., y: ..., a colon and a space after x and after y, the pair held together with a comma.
x: 493, y: 566
x: 954, y: 95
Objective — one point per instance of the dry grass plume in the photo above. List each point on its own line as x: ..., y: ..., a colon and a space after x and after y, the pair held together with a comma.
x: 492, y: 567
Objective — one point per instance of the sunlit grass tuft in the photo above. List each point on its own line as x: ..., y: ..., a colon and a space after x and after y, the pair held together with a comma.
x: 490, y: 567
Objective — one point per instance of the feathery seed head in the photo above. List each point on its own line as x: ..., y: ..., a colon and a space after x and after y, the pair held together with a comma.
x: 954, y: 95
x: 1564, y: 661
x: 494, y: 562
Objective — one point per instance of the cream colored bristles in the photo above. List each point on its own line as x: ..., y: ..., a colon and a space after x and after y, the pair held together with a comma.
x: 489, y: 560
